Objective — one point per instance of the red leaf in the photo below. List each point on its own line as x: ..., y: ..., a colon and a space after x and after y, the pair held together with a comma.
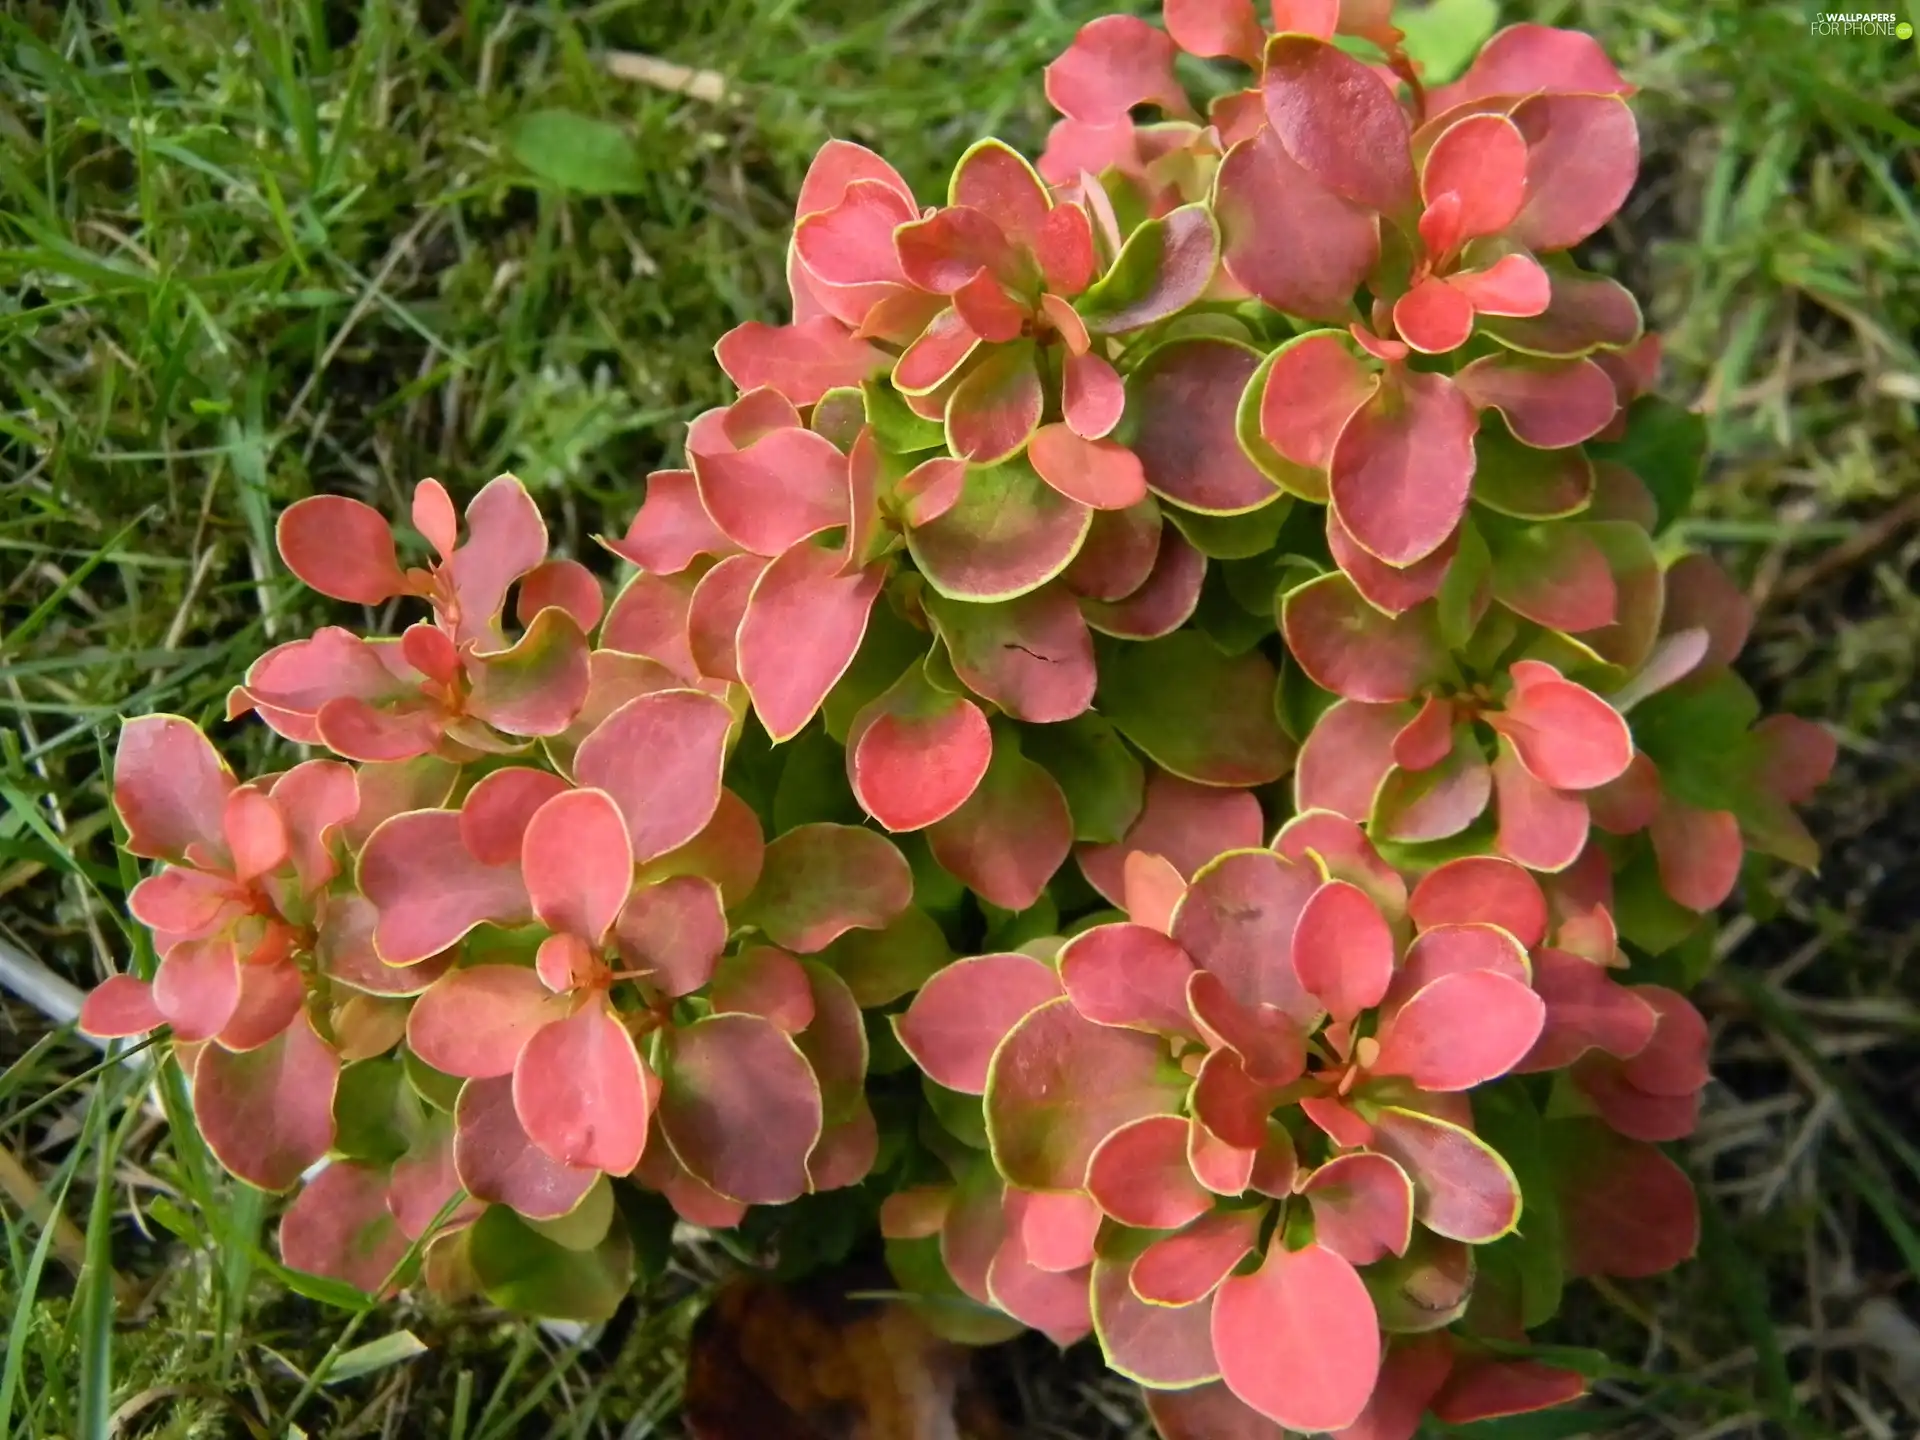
x: 1540, y: 827
x: 1460, y: 1031
x: 505, y: 539
x: 1583, y: 153
x: 1060, y: 1084
x: 1066, y: 254
x: 1462, y: 1189
x: 802, y: 361
x: 495, y: 815
x: 649, y: 618
x: 1414, y: 1369
x: 170, y: 788
x: 1362, y: 1207
x: 1139, y: 1175
x: 802, y: 628
x: 1187, y: 823
x: 1151, y: 1344
x: 1031, y: 656
x: 1298, y: 1339
x: 1165, y: 600
x: 341, y: 548
x: 993, y: 178
x: 1231, y: 1105
x: 1098, y: 473
x: 1208, y: 1412
x: 1481, y: 159
x: 339, y: 1226
x: 429, y: 889
x: 1339, y: 122
x: 821, y: 881
x: 1266, y: 1038
x: 1347, y: 646
x: 1056, y: 1305
x: 1488, y: 1389
x: 1342, y: 950
x: 658, y: 758
x: 1699, y: 853
x: 1286, y: 237
x: 119, y: 1006
x: 1586, y: 1009
x: 1128, y: 975
x: 1628, y: 1211
x: 763, y: 981
x: 498, y: 1163
x: 1515, y: 285
x: 1433, y: 317
x: 930, y: 489
x: 1345, y: 852
x: 1011, y: 835
x: 1549, y: 404
x: 1564, y: 734
x: 995, y: 409
x: 475, y: 1022
x: 672, y: 527
x: 1346, y: 756
x: 1114, y: 64
x: 1118, y: 554
x: 1796, y: 756
x: 1556, y: 576
x: 1523, y: 59
x: 715, y: 610
x: 1182, y: 405
x: 1092, y: 397
x: 1210, y: 28
x: 915, y: 753
x: 578, y: 864
x: 936, y: 356
x: 582, y: 1093
x: 673, y: 930
x: 785, y: 485
x: 1058, y: 1230
x: 565, y: 583
x: 1315, y: 382
x: 740, y: 1107
x: 1185, y: 1268
x: 267, y: 1113
x: 1481, y: 888
x: 1400, y: 471
x: 1224, y: 1168
x: 729, y: 851
x: 1237, y: 921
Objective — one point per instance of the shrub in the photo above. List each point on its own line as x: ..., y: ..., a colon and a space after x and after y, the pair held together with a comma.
x: 1276, y: 472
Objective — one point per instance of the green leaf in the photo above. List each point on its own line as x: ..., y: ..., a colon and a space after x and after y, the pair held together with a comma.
x: 1224, y: 621
x: 813, y: 785
x: 576, y: 152
x: 1666, y: 447
x: 522, y: 1270
x: 1103, y: 780
x: 1648, y: 917
x: 1444, y: 35
x: 1462, y: 588
x: 888, y: 647
x: 880, y: 966
x: 962, y: 1116
x: 1137, y: 290
x: 366, y: 1112
x: 1505, y: 1117
x: 948, y: 1310
x: 895, y: 425
x: 1198, y: 713
x: 1232, y: 537
x: 389, y: 1350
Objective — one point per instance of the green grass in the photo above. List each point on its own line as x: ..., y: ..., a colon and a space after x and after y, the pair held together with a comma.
x: 254, y: 250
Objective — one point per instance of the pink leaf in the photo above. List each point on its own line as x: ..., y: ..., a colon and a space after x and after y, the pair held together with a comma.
x: 1152, y: 889
x: 785, y: 485
x: 1011, y: 835
x: 1628, y: 1211
x: 1031, y: 656
x: 1059, y: 1085
x: 1210, y: 28
x: 1098, y: 473
x: 729, y: 852
x: 1230, y: 1105
x: 1128, y: 975
x: 1209, y: 1412
x: 802, y: 361
x: 197, y: 988
x: 994, y: 410
x: 1514, y: 285
x: 1439, y: 801
x: 822, y: 880
x: 993, y: 178
x: 1481, y: 888
x: 1586, y: 1010
x: 497, y: 1162
x: 1347, y: 646
x: 475, y: 1022
x: 1339, y: 122
x: 565, y: 583
x: 1067, y: 257
x: 1165, y: 600
x: 1237, y: 922
x: 267, y: 1113
x: 537, y: 686
x: 1186, y: 823
x: 763, y: 981
x: 1540, y: 827
x: 495, y: 815
x: 673, y: 930
x: 339, y: 1226
x: 170, y: 788
x: 1342, y: 950
x: 936, y: 356
x: 1286, y: 237
x: 930, y: 489
x: 119, y: 1006
x: 581, y: 1091
x: 1313, y: 385
x: 1362, y: 1207
x: 256, y: 836
x: 1267, y: 1039
x: 1400, y: 471
x: 1460, y: 1031
x: 1114, y: 64
x: 1462, y: 1189
x: 1092, y: 395
x: 649, y: 618
x: 1583, y: 153
x: 1797, y: 756
x: 1139, y: 1175
x: 1699, y: 853
x: 1182, y: 404
x: 1185, y: 1268
x: 740, y: 1107
x: 1118, y: 554
x: 1523, y: 59
x: 672, y: 528
x: 1298, y: 1339
x: 803, y: 625
x: 1481, y: 159
x: 714, y: 613
x: 1387, y: 587
x: 578, y: 865
x: 1057, y: 1305
x: 1548, y: 404
x: 316, y: 800
x: 1224, y: 1168
x: 1556, y: 575
x: 1433, y: 317
x: 179, y: 902
x: 1489, y: 1389
x: 505, y: 539
x: 915, y: 753
x: 429, y: 889
x: 1009, y: 533
x: 1346, y: 756
x: 1057, y: 1230
x: 1566, y: 736
x: 341, y: 548
x: 658, y: 758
